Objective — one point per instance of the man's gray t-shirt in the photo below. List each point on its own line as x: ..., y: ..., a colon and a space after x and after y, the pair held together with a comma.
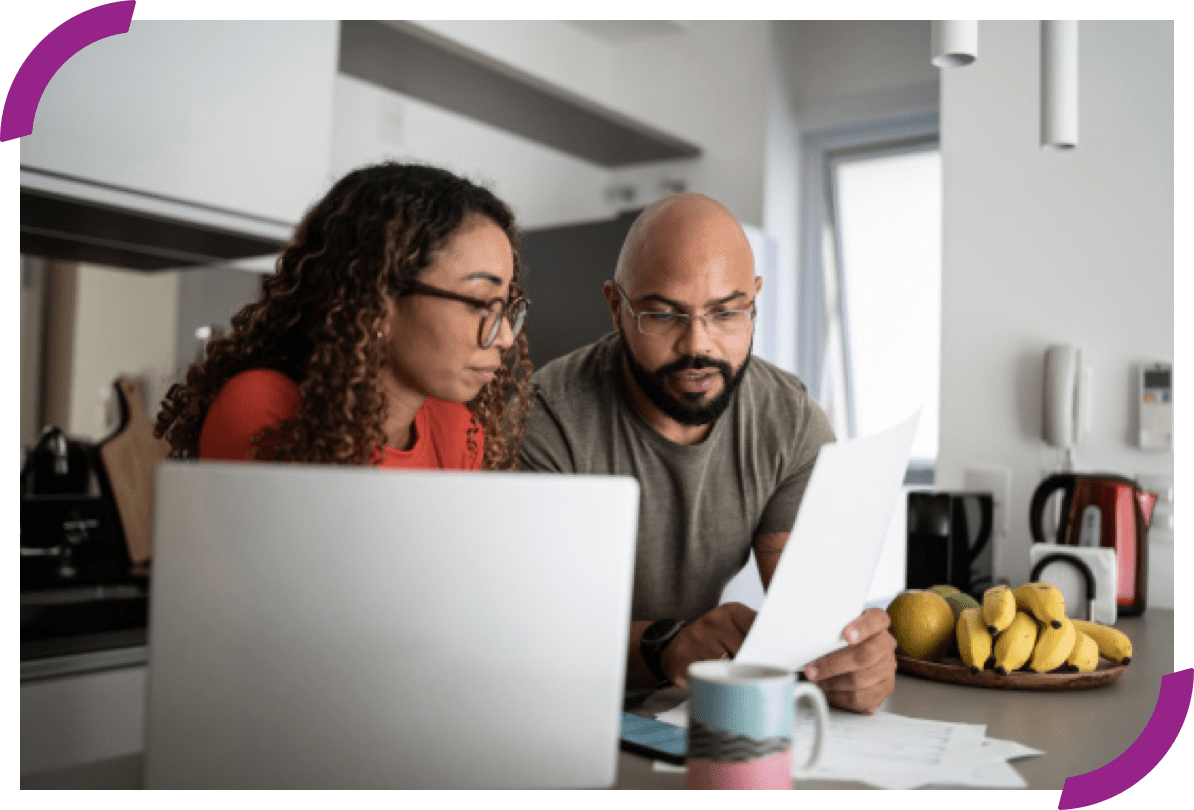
x: 701, y: 505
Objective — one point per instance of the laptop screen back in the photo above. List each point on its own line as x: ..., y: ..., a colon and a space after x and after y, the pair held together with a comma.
x: 351, y: 628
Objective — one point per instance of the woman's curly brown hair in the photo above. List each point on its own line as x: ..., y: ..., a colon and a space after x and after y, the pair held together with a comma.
x: 373, y: 233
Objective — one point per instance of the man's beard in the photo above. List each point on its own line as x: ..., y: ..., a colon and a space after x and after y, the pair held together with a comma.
x: 689, y: 410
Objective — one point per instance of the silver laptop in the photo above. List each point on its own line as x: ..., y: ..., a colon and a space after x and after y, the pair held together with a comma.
x: 318, y: 627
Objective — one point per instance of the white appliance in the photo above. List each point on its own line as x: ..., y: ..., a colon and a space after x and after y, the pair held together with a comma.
x: 318, y: 627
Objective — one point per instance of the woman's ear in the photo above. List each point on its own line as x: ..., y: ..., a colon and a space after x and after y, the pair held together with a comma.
x: 384, y: 328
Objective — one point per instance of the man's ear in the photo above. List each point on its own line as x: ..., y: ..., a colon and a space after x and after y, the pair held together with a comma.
x: 614, y: 300
x: 758, y: 284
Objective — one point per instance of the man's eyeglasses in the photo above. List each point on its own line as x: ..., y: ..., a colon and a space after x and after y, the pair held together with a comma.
x: 722, y: 323
x: 492, y: 311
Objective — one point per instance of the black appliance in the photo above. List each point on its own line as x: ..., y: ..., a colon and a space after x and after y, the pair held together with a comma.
x: 949, y: 536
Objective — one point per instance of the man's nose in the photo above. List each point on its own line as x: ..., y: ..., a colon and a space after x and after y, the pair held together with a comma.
x: 695, y: 340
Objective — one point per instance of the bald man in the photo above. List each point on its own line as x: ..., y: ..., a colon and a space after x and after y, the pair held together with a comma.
x: 722, y: 445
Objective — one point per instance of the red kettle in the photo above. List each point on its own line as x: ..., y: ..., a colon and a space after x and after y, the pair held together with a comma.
x: 1102, y: 511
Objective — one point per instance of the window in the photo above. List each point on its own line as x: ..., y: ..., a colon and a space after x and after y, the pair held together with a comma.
x: 889, y: 219
x: 870, y: 298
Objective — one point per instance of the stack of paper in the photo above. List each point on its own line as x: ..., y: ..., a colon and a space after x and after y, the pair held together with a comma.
x: 889, y: 751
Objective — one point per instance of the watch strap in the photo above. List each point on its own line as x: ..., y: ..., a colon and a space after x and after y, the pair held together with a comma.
x: 652, y: 644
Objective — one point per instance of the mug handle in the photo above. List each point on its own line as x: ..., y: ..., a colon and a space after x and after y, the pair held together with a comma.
x: 820, y: 718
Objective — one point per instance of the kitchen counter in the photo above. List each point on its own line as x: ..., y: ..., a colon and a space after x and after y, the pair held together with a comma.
x: 1079, y: 731
x: 73, y: 631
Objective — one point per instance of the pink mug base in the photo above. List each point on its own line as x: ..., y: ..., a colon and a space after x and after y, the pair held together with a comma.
x: 769, y: 773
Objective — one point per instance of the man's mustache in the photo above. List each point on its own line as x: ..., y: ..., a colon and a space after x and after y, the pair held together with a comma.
x: 691, y: 362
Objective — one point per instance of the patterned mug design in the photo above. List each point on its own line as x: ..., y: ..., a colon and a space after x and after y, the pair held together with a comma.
x: 740, y: 726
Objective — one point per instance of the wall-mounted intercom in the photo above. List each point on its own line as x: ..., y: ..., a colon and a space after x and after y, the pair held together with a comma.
x: 1067, y: 403
x: 1154, y: 401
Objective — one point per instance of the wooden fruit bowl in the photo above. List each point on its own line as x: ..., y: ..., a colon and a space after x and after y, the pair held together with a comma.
x: 952, y: 670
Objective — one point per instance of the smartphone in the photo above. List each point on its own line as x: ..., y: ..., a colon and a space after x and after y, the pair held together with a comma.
x: 654, y: 738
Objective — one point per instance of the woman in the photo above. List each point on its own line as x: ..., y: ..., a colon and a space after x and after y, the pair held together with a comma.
x: 389, y: 335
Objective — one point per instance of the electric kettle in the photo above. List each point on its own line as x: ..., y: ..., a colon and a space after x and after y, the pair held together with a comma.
x: 1102, y: 511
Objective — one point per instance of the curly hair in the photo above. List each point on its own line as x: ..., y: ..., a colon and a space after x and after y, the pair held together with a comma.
x: 371, y: 235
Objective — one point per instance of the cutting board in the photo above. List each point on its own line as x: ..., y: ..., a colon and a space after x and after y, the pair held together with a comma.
x: 130, y: 457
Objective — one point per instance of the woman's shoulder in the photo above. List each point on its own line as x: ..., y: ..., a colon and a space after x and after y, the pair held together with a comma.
x: 260, y: 382
x: 247, y: 403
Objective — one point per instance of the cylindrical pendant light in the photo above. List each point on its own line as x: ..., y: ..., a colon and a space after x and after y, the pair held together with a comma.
x: 954, y: 42
x: 1059, y: 84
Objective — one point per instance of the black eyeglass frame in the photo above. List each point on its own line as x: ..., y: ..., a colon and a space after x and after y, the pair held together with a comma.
x: 505, y: 306
x: 684, y: 317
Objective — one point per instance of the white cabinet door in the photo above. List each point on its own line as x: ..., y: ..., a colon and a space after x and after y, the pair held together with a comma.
x: 82, y: 718
x: 231, y: 114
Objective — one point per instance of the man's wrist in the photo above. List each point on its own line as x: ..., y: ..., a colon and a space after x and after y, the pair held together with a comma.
x: 655, y: 639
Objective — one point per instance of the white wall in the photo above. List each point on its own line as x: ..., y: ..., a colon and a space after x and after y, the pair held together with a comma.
x: 781, y: 193
x: 708, y: 85
x: 125, y: 324
x: 1044, y: 247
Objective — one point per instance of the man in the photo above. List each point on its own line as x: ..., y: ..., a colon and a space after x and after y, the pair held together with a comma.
x: 722, y: 446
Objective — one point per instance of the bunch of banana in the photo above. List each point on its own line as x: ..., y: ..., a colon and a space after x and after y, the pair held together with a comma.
x: 1039, y: 636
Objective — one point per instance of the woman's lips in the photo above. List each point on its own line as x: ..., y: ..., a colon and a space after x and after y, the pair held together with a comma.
x: 486, y: 374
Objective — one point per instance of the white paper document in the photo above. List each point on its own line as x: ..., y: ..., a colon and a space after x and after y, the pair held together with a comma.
x: 825, y: 571
x: 889, y: 751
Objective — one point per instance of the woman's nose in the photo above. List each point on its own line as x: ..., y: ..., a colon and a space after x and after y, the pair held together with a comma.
x: 505, y: 335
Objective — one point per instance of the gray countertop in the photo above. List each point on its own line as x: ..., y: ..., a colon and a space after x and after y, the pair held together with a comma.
x: 1079, y: 731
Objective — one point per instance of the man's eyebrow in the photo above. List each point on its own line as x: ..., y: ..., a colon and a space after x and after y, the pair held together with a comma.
x: 708, y: 304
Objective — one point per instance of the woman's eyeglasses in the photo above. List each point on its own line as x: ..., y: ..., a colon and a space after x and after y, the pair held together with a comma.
x: 493, y: 310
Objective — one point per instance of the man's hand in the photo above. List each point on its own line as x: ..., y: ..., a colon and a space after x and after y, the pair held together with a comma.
x: 860, y: 676
x: 715, y: 636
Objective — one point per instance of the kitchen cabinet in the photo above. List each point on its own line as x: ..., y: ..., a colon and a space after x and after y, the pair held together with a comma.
x: 81, y: 718
x: 203, y: 119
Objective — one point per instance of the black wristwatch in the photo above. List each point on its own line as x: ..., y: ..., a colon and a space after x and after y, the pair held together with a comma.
x: 652, y: 644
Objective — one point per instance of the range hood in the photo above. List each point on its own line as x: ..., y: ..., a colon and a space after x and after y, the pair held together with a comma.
x: 73, y: 219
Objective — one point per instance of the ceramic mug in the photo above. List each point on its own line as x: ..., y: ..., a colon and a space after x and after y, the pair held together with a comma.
x: 741, y: 720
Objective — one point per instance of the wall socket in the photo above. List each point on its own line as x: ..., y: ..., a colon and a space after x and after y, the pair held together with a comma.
x: 998, y: 481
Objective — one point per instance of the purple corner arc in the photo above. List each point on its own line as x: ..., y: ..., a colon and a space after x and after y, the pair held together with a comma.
x: 54, y: 51
x: 1121, y: 773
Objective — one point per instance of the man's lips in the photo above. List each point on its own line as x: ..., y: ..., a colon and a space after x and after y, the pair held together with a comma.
x: 696, y: 381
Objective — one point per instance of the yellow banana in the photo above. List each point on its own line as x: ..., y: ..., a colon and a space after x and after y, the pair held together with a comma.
x: 1014, y: 646
x: 974, y: 641
x: 1085, y: 655
x: 999, y: 608
x: 1053, y: 646
x: 1113, y: 644
x: 1043, y: 600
